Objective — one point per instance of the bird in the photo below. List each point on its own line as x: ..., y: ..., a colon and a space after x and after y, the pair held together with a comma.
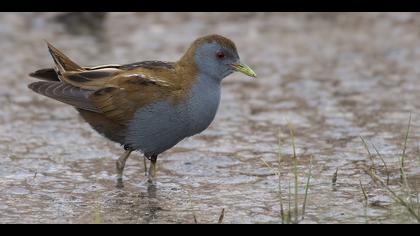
x: 146, y: 106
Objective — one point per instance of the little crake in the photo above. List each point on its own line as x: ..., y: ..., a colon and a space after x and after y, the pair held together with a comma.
x: 147, y: 106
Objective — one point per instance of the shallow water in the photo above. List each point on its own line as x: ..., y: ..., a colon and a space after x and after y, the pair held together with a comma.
x: 333, y: 77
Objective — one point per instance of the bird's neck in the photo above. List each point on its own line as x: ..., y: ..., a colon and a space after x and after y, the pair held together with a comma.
x: 187, y: 66
x: 187, y: 60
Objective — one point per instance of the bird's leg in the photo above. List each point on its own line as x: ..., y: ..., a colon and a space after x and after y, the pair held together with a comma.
x: 152, y: 168
x: 120, y: 167
x: 145, y: 165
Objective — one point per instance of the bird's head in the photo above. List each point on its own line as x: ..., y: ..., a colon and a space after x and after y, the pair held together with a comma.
x: 217, y: 57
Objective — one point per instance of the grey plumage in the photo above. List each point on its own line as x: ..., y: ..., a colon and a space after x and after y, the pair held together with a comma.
x: 161, y: 125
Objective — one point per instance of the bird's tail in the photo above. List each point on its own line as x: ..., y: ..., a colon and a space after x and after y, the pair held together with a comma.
x: 62, y: 62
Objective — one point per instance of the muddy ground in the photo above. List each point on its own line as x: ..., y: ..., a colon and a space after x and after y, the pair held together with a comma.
x: 333, y: 77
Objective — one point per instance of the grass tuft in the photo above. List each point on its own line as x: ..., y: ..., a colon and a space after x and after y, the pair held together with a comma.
x: 290, y: 214
x: 401, y: 200
x: 403, y: 195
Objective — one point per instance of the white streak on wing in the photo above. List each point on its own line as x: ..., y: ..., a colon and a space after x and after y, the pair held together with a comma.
x: 110, y: 66
x: 151, y: 78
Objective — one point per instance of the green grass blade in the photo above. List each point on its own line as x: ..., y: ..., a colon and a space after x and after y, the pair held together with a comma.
x: 307, y: 189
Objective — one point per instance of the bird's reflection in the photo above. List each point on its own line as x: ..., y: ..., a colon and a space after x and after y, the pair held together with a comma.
x: 152, y: 203
x: 140, y: 204
x: 151, y: 190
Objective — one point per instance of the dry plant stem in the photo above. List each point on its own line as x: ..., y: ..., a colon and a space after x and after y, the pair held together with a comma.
x: 403, y: 155
x: 383, y: 162
x: 335, y: 176
x: 277, y: 173
x: 366, y: 200
x: 364, y: 194
x: 193, y: 211
x: 222, y: 215
x: 97, y: 216
x: 379, y: 155
x: 369, y: 153
x: 289, y: 212
x: 281, y: 202
x: 295, y: 173
x: 279, y: 176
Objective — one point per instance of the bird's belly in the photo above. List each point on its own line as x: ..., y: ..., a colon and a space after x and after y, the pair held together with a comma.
x: 162, y: 125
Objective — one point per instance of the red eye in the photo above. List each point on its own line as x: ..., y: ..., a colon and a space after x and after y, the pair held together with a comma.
x: 220, y: 55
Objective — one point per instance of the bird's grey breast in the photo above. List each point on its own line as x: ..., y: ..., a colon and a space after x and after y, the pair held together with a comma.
x: 203, y: 103
x: 161, y: 125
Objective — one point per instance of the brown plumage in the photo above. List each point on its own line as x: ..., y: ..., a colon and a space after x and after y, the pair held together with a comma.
x: 113, y: 98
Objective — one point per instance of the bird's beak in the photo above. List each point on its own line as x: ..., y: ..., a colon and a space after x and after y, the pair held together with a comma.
x: 243, y: 69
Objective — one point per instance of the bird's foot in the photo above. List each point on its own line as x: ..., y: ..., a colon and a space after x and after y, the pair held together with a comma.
x: 152, y: 174
x: 152, y: 170
x: 120, y: 164
x: 120, y: 169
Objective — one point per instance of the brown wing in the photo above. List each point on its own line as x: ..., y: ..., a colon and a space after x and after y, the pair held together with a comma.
x: 115, y: 94
x: 90, y: 79
x: 128, y: 92
x: 114, y: 91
